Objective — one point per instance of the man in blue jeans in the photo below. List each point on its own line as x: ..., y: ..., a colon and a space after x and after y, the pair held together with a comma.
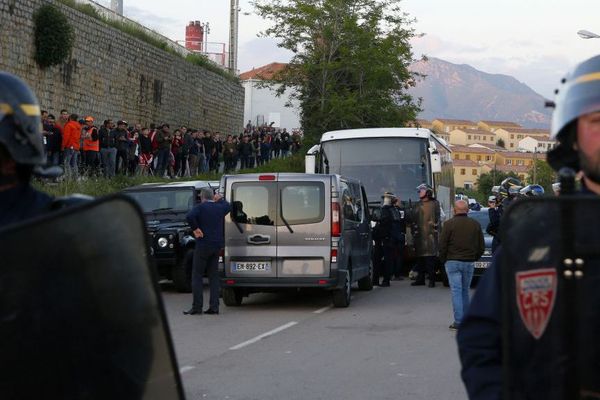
x: 207, y: 220
x: 461, y: 244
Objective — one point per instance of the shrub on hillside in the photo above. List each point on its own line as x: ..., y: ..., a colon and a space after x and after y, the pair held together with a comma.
x: 53, y: 36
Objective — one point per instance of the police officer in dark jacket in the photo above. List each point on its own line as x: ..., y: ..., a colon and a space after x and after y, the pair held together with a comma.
x: 493, y: 227
x: 576, y: 126
x: 21, y: 151
x: 391, y: 234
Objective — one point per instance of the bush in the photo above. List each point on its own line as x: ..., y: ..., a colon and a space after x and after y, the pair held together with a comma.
x: 53, y: 36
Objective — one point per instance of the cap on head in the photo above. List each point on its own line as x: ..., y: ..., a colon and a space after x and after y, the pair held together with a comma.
x: 121, y: 122
x: 20, y: 121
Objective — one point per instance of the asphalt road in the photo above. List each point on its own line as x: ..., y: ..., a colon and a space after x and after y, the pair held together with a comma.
x: 391, y: 343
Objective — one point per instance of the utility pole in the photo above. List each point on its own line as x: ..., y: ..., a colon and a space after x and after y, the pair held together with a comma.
x: 117, y: 6
x: 233, y: 35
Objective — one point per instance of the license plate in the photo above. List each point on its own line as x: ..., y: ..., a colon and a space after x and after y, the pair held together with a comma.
x: 482, y: 264
x: 259, y: 266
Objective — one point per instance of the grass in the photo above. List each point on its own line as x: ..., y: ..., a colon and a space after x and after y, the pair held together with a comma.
x: 97, y: 187
x: 134, y: 30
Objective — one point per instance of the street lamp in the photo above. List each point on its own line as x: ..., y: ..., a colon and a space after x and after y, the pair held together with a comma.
x: 587, y: 34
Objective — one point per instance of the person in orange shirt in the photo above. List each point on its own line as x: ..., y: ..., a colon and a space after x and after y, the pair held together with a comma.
x: 91, y: 147
x: 70, y: 146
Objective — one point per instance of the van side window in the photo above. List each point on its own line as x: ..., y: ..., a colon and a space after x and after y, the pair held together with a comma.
x: 303, y: 202
x: 348, y: 203
x: 357, y: 201
x: 253, y: 203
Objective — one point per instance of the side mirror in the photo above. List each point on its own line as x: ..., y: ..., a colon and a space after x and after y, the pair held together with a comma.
x: 436, y: 162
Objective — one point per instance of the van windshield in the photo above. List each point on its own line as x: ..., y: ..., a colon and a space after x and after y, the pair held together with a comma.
x: 397, y: 164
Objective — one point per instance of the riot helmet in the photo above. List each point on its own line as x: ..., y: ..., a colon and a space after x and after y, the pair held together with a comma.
x: 388, y: 198
x: 578, y: 94
x: 20, y: 122
x: 428, y: 189
x: 556, y: 188
x: 532, y: 191
x: 512, y: 186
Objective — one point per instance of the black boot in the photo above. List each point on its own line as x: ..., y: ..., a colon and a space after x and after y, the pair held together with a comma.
x: 431, y: 284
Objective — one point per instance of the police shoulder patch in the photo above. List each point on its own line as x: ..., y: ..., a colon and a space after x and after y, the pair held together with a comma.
x: 536, y: 293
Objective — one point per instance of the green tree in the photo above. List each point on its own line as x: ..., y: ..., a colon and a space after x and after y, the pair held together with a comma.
x: 542, y: 174
x: 350, y: 64
x: 53, y: 36
x: 501, y: 143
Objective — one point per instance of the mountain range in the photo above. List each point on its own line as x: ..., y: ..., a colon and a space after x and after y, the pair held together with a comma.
x: 453, y: 91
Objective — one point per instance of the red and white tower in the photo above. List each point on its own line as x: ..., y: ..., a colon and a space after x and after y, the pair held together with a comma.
x: 194, y: 36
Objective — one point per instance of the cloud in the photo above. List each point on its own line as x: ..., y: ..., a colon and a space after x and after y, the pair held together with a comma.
x: 432, y: 45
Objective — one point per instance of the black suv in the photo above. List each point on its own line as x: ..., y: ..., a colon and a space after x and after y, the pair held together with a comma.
x: 165, y: 206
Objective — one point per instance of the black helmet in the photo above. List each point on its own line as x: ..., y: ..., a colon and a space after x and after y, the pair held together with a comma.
x: 579, y: 94
x: 20, y: 121
x: 532, y: 191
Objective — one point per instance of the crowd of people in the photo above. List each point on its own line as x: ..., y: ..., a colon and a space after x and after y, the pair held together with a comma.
x: 85, y: 149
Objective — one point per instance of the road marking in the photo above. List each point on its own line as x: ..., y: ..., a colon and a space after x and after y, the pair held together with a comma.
x: 185, y: 369
x: 322, y: 310
x: 407, y: 375
x: 264, y: 335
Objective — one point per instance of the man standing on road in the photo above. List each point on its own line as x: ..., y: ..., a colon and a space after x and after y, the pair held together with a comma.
x: 461, y: 244
x: 207, y: 219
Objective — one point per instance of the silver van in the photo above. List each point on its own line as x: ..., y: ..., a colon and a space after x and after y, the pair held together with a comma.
x: 289, y: 230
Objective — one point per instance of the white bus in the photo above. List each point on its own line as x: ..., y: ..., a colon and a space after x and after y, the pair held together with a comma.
x: 388, y: 159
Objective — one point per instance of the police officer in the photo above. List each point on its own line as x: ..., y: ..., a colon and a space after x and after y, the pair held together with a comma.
x: 493, y: 227
x: 512, y: 187
x: 426, y: 223
x: 399, y: 234
x: 388, y: 231
x: 576, y: 126
x: 21, y: 152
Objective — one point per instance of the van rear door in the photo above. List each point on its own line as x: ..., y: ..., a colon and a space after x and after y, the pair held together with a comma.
x: 250, y: 231
x: 303, y: 229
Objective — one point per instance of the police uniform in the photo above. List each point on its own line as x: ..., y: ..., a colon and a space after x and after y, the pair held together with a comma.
x: 22, y: 143
x: 516, y: 346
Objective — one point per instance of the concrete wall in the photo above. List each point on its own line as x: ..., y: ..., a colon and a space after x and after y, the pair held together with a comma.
x: 113, y: 75
x: 261, y: 103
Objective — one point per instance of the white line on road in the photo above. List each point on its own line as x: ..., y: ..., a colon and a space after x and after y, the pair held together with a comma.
x: 322, y: 310
x: 185, y: 369
x: 264, y: 335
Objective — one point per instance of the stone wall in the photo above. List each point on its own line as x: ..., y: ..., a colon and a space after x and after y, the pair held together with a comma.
x: 113, y: 75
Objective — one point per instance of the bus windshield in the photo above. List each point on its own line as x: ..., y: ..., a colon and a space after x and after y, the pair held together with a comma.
x: 396, y: 165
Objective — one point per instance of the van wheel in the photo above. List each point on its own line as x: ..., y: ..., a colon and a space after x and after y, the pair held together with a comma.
x: 341, y: 297
x: 232, y: 297
x: 182, y: 273
x: 366, y: 283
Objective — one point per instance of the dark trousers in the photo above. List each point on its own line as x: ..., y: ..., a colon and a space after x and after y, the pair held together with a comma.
x: 426, y: 264
x: 92, y: 160
x: 205, y: 259
x: 377, y: 262
x: 122, y: 161
x: 389, y: 259
x: 397, y: 270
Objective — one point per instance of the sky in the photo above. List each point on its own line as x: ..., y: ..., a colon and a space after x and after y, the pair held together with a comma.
x: 534, y: 41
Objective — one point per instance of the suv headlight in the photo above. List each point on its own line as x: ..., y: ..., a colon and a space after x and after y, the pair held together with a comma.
x: 162, y: 242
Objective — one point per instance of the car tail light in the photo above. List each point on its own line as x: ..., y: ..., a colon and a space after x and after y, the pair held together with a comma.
x: 266, y: 178
x: 221, y: 255
x: 230, y: 282
x: 322, y: 282
x: 335, y: 220
x: 333, y: 255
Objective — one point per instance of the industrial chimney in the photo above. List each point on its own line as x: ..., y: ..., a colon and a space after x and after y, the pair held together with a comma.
x: 194, y: 36
x: 117, y: 6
